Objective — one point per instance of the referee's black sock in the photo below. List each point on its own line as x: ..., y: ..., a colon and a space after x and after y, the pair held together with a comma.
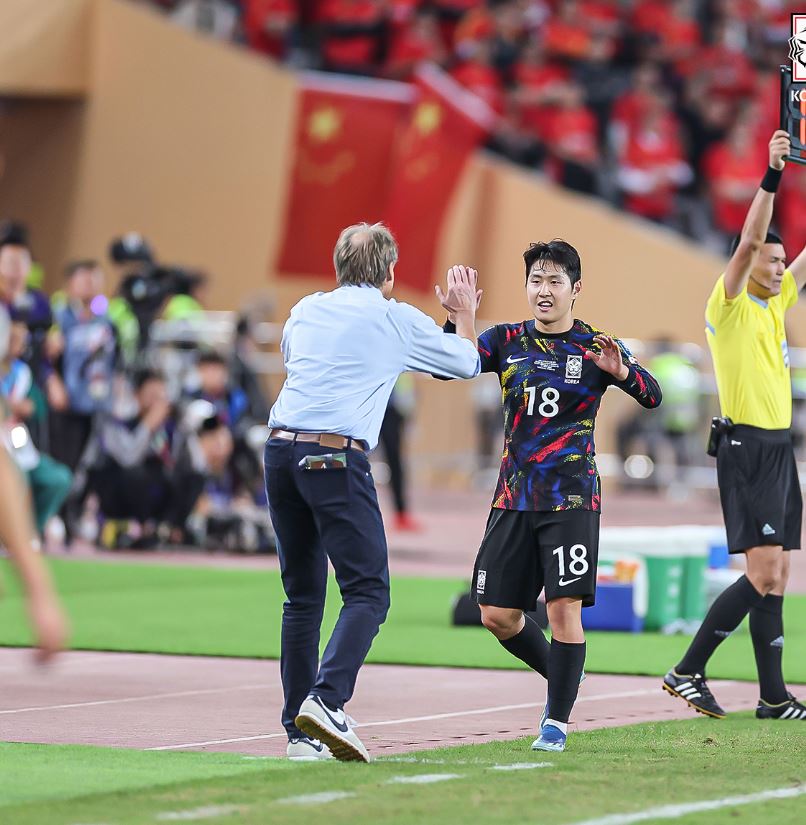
x: 725, y: 615
x: 767, y: 630
x: 530, y: 646
x: 566, y: 661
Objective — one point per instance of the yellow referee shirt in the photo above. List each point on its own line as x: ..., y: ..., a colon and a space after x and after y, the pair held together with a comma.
x: 751, y: 360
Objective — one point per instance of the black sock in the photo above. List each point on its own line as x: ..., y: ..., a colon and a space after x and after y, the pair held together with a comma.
x: 566, y: 661
x: 725, y: 615
x: 767, y: 630
x: 530, y: 646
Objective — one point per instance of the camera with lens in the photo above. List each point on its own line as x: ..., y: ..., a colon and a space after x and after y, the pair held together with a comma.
x: 147, y: 285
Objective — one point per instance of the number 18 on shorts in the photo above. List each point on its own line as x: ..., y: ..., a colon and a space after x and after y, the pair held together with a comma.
x: 523, y: 552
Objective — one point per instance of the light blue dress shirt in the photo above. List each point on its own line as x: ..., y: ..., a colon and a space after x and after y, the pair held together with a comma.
x: 343, y: 352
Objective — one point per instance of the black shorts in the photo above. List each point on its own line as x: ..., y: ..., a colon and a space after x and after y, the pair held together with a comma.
x: 759, y: 488
x: 524, y: 551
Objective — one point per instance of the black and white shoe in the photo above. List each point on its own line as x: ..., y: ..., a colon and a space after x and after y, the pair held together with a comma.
x: 333, y: 728
x: 305, y: 749
x: 791, y: 709
x: 695, y: 691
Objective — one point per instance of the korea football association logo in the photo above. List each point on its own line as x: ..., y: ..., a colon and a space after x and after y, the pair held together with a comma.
x: 573, y: 369
x: 481, y: 581
x: 797, y: 47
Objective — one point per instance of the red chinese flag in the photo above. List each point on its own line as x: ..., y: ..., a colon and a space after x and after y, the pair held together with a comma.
x: 445, y: 126
x: 343, y: 148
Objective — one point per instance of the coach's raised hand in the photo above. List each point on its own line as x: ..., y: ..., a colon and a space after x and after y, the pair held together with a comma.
x: 462, y: 295
x: 461, y: 300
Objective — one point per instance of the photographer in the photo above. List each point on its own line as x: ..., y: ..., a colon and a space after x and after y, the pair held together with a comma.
x: 151, y: 468
x: 145, y: 290
x: 83, y: 347
x: 231, y: 405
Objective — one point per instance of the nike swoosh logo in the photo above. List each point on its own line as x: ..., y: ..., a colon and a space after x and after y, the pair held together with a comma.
x: 512, y: 360
x: 317, y: 746
x: 563, y: 582
x: 342, y: 726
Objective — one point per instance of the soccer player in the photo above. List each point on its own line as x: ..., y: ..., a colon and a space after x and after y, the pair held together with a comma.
x: 758, y: 478
x: 543, y: 529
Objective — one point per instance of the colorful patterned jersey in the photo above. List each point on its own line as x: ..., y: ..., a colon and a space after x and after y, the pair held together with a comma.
x: 551, y: 394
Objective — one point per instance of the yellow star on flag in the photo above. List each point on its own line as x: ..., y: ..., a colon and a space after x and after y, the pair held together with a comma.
x: 324, y: 123
x: 427, y: 117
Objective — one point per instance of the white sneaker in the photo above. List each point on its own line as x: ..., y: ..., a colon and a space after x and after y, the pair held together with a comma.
x: 332, y: 728
x: 304, y: 749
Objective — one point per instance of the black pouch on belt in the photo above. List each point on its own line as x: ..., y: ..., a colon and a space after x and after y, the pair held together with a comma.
x: 719, y: 428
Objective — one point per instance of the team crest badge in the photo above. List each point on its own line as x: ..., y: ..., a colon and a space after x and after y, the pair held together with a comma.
x: 481, y: 581
x: 573, y: 369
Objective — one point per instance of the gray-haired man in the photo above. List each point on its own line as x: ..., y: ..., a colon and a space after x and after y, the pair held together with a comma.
x: 343, y: 352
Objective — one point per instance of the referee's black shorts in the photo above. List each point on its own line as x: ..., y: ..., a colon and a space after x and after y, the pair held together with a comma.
x: 759, y: 488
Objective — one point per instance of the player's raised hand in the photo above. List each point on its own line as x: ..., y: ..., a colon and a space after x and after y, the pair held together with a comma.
x: 608, y: 358
x: 780, y: 147
x: 462, y: 294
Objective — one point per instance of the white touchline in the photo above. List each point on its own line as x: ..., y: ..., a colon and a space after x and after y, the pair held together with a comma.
x: 521, y: 766
x: 422, y: 779
x: 208, y: 812
x: 626, y: 694
x: 176, y: 695
x: 315, y: 798
x: 675, y: 811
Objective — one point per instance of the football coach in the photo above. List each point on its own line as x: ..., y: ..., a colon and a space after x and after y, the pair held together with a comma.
x: 343, y: 352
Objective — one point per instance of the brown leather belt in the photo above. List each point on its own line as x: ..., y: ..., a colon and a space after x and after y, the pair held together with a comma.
x: 337, y: 442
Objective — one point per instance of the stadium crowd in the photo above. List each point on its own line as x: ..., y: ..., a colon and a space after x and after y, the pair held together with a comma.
x: 135, y: 439
x: 663, y: 107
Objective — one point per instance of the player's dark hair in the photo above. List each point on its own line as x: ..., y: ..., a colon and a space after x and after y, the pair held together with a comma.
x: 211, y: 356
x: 13, y: 233
x: 557, y: 252
x: 143, y: 376
x: 772, y: 237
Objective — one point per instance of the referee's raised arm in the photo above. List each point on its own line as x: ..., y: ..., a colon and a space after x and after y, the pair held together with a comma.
x: 757, y: 222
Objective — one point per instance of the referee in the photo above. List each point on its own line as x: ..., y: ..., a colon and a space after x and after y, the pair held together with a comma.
x: 758, y: 478
x: 344, y: 350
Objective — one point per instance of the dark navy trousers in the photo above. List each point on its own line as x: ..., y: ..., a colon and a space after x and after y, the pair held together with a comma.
x: 320, y: 515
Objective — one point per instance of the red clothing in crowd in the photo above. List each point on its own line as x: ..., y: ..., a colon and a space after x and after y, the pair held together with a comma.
x: 538, y: 79
x: 653, y: 155
x: 570, y: 134
x: 730, y: 72
x: 411, y: 46
x: 353, y: 50
x: 267, y: 23
x: 482, y: 80
x: 566, y: 40
x: 678, y: 36
x: 453, y: 13
x: 401, y: 12
x: 600, y: 12
x: 733, y: 179
x: 650, y: 16
x: 629, y: 109
x: 476, y: 25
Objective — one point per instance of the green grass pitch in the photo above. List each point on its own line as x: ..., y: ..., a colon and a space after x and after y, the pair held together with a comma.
x: 604, y: 772
x: 225, y: 612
